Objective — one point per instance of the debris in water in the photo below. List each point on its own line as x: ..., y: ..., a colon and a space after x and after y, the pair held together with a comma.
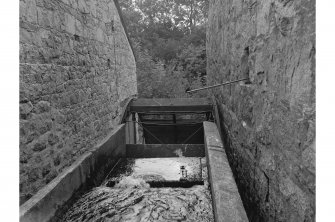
x: 132, y: 199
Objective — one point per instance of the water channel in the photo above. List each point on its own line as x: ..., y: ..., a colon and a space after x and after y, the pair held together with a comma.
x: 130, y: 193
x: 173, y: 188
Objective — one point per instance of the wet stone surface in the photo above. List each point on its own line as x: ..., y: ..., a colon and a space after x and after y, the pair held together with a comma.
x: 132, y: 199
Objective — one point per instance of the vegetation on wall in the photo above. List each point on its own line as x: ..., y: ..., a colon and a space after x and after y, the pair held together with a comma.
x: 169, y: 38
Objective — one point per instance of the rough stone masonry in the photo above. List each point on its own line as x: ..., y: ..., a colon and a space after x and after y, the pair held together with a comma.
x: 268, y: 126
x: 76, y: 70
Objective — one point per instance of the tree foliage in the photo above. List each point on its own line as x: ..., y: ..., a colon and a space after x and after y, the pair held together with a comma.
x: 169, y: 38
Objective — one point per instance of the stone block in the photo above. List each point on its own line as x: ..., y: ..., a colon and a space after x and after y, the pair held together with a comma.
x: 28, y: 11
x: 70, y: 23
x: 83, y: 6
x: 26, y: 108
x: 42, y: 106
x: 267, y: 160
x: 100, y: 35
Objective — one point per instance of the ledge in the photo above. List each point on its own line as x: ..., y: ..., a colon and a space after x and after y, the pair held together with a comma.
x: 164, y: 150
x: 89, y: 169
x: 227, y: 203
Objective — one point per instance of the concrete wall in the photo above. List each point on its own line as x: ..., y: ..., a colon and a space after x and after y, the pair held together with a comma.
x: 75, y: 73
x: 89, y: 170
x: 227, y: 204
x: 269, y: 125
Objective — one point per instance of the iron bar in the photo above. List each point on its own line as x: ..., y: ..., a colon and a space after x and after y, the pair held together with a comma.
x: 191, y: 135
x: 145, y: 129
x: 112, y: 168
x: 217, y: 85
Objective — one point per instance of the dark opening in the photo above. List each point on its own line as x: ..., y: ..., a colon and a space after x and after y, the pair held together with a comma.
x: 112, y: 24
x: 77, y: 38
x: 173, y: 128
x: 246, y: 50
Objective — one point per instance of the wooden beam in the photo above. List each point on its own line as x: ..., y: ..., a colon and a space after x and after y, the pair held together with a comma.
x: 171, y: 105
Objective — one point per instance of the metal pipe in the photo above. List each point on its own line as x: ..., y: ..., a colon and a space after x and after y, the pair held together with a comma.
x: 217, y: 85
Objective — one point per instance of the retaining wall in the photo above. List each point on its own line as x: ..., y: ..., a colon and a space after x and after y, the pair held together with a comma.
x: 88, y: 171
x: 76, y: 70
x: 268, y: 126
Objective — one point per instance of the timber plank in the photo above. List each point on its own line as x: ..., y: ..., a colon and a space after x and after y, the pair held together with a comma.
x: 170, y: 105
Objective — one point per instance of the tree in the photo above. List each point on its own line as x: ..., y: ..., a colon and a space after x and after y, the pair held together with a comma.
x: 149, y: 73
x: 170, y: 44
x: 191, y: 13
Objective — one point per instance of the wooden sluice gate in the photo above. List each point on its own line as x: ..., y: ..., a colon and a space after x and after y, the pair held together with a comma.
x: 165, y: 162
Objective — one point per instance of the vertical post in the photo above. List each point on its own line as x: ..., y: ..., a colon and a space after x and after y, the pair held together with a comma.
x: 134, y: 125
x: 175, y: 129
x: 127, y: 130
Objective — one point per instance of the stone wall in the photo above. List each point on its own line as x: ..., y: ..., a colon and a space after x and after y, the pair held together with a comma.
x: 76, y: 70
x: 268, y: 126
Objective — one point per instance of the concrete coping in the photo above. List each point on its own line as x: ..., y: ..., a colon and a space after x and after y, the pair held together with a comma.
x: 227, y: 203
x: 45, y: 203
